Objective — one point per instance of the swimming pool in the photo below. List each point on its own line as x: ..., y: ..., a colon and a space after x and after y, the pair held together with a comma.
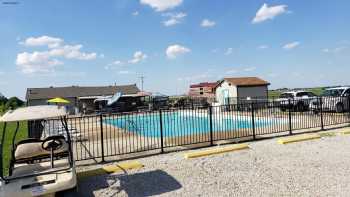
x: 177, y: 124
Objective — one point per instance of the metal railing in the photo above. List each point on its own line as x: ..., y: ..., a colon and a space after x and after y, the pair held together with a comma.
x: 115, y: 134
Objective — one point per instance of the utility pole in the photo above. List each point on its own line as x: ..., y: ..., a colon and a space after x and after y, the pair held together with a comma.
x: 142, y: 80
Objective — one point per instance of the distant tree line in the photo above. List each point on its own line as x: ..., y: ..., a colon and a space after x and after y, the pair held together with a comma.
x: 9, y: 103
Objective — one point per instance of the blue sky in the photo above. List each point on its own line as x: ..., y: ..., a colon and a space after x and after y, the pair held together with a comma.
x: 173, y: 43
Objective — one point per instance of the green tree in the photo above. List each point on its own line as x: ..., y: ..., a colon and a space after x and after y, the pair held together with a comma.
x: 3, y: 100
x: 13, y: 103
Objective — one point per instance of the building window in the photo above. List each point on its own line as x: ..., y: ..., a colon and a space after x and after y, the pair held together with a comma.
x: 201, y: 93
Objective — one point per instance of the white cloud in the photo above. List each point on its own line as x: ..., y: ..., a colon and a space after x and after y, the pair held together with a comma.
x: 268, y: 13
x: 326, y: 50
x: 102, y: 55
x: 175, y: 50
x: 117, y: 62
x: 162, y: 5
x: 114, y: 65
x: 51, y: 42
x: 215, y: 50
x: 138, y: 56
x: 263, y: 47
x: 136, y: 13
x: 339, y: 49
x: 273, y: 75
x: 249, y: 69
x: 170, y: 22
x: 335, y: 50
x: 173, y: 18
x: 291, y: 45
x: 72, y: 52
x: 229, y: 51
x: 124, y: 72
x: 46, y: 61
x: 232, y: 71
x: 36, y: 62
x: 208, y: 23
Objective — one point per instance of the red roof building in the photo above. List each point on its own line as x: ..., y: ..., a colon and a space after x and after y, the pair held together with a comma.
x: 205, y: 89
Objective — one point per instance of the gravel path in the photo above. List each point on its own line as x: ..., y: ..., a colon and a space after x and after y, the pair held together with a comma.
x: 309, y: 168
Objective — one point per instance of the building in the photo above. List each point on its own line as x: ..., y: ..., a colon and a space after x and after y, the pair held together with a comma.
x: 205, y: 89
x: 237, y: 90
x: 82, y: 99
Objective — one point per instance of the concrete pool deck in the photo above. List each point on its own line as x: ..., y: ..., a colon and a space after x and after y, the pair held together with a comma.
x: 308, y: 168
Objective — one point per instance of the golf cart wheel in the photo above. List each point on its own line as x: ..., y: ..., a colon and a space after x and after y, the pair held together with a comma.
x: 339, y: 108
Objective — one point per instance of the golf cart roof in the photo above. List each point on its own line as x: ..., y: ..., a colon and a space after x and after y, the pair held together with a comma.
x: 34, y: 113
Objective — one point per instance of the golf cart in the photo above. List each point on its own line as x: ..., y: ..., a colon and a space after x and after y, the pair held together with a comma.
x: 38, y: 167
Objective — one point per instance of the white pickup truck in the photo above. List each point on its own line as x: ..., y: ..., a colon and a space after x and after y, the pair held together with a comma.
x: 333, y: 99
x: 295, y: 100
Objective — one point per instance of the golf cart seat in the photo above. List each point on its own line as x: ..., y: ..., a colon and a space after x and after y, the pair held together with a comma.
x: 31, y: 149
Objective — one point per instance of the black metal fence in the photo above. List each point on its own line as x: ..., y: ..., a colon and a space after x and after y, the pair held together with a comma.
x: 105, y: 135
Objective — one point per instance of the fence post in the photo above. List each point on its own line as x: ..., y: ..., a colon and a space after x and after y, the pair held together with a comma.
x: 161, y: 131
x: 102, y: 142
x: 290, y: 116
x: 253, y: 119
x: 211, y: 125
x: 321, y: 113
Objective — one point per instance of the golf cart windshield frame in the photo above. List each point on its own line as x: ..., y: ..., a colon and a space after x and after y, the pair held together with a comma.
x: 63, y: 120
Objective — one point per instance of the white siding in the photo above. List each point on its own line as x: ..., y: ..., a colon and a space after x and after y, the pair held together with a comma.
x: 232, y: 91
x: 241, y: 92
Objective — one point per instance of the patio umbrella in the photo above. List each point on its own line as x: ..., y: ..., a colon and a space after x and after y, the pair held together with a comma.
x: 58, y: 100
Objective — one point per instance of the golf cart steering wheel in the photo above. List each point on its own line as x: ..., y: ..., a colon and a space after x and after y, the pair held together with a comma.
x: 52, y: 143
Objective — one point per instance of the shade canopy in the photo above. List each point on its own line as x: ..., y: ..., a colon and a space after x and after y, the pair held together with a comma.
x: 58, y: 100
x: 34, y: 113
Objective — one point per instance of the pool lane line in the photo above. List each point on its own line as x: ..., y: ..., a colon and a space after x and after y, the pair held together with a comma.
x: 299, y: 138
x: 130, y: 165
x: 216, y: 150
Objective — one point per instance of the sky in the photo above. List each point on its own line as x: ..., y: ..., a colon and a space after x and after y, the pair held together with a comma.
x: 172, y: 43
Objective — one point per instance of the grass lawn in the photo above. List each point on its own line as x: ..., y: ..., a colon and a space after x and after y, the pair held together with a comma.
x: 10, y: 130
x: 276, y: 93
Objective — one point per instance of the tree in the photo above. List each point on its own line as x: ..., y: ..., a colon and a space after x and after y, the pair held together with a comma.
x: 3, y: 100
x: 13, y: 103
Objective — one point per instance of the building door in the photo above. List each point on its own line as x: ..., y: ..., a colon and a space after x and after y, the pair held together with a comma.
x: 226, y: 97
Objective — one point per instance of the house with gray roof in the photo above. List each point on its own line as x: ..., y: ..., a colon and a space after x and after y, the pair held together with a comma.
x: 81, y: 98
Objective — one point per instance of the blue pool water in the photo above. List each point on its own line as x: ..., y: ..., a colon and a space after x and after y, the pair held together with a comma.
x: 179, y: 124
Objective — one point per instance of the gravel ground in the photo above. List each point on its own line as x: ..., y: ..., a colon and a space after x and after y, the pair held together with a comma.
x: 309, y: 168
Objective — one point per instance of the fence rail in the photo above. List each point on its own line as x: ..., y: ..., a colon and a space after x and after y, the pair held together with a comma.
x: 105, y: 135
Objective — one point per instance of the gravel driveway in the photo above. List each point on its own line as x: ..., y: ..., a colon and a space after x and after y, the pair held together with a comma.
x: 309, y: 168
